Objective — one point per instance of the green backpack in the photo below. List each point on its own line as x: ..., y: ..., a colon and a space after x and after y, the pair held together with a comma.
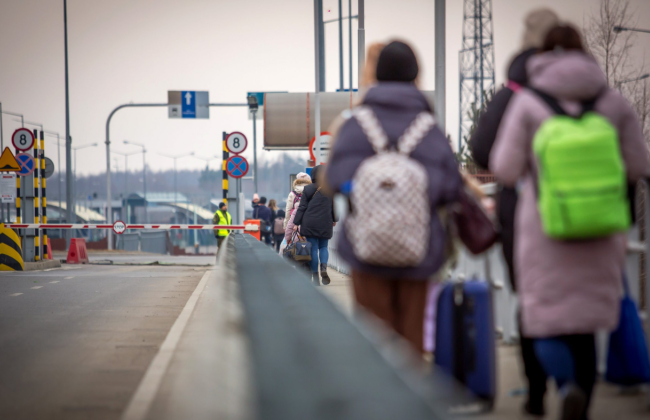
x: 582, y: 186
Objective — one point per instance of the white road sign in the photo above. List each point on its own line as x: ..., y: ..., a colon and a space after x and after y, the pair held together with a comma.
x: 325, y: 139
x: 119, y: 227
x: 236, y: 142
x: 23, y: 139
x: 7, y: 187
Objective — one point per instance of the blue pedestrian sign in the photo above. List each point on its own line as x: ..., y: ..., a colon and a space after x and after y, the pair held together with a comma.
x: 237, y: 166
x: 188, y: 104
x: 27, y: 164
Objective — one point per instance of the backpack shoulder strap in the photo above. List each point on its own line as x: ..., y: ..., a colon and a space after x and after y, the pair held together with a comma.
x: 371, y: 128
x: 549, y: 100
x: 416, y: 131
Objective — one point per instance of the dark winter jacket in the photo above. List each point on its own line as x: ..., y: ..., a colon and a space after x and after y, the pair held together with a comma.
x: 481, y: 145
x: 263, y: 213
x: 315, y: 214
x: 396, y: 106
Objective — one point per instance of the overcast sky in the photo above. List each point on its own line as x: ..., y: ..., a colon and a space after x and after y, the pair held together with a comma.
x: 124, y: 51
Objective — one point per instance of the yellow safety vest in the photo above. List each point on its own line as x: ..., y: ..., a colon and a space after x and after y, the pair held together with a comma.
x: 221, y: 219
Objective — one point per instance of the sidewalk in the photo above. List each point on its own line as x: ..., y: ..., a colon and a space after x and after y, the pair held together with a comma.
x: 608, y: 402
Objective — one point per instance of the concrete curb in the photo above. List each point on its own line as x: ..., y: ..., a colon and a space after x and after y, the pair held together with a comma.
x: 42, y: 265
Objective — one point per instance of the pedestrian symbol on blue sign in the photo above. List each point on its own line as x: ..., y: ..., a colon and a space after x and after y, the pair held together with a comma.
x: 237, y: 166
x: 27, y: 164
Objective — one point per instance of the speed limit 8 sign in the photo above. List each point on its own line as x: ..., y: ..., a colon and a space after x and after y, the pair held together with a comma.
x: 236, y: 142
x: 23, y: 139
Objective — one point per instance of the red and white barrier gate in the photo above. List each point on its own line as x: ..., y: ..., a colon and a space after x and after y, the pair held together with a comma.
x: 120, y: 227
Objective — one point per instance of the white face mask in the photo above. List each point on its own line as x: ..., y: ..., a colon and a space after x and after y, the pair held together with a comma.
x: 299, y: 188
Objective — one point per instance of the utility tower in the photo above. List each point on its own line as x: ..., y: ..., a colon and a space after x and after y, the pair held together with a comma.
x: 476, y: 62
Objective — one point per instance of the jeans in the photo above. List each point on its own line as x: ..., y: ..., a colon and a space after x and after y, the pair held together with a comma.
x: 318, y: 247
x: 569, y: 359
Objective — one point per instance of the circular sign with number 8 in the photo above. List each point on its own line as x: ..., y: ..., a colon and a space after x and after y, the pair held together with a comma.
x: 23, y: 139
x: 236, y: 142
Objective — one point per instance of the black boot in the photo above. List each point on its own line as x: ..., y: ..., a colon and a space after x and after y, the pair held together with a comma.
x: 324, y: 275
x: 314, y: 279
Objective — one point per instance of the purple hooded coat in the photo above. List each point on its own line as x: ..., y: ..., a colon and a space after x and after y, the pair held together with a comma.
x: 396, y: 104
x: 565, y: 287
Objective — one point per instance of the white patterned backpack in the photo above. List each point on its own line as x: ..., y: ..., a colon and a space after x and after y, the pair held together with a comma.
x: 390, y: 221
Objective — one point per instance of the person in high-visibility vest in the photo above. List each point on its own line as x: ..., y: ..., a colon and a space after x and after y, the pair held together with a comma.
x: 221, y: 217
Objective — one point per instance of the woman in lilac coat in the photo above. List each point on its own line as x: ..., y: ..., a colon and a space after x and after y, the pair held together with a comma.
x: 568, y: 289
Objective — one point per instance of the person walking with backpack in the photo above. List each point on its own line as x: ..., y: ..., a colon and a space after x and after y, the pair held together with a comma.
x: 537, y: 24
x: 570, y: 143
x: 264, y: 214
x: 278, y: 229
x: 316, y: 219
x: 391, y: 151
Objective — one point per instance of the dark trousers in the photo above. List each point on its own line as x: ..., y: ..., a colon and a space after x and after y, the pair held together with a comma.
x: 399, y: 303
x: 277, y: 241
x: 570, y: 359
x: 507, y: 202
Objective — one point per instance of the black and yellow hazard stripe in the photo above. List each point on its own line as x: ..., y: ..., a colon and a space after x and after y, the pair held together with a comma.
x: 37, y: 201
x: 224, y: 173
x: 18, y: 217
x: 11, y: 255
x: 43, y: 196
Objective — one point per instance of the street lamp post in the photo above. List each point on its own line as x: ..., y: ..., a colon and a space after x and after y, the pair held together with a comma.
x: 68, y: 137
x: 253, y: 106
x: 75, y: 173
x: 144, y: 176
x: 126, y: 182
x: 175, y: 185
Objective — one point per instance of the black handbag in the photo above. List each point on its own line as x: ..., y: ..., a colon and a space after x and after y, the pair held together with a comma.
x: 473, y: 226
x: 298, y: 250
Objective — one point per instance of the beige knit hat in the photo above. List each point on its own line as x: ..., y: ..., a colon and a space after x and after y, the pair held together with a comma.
x: 538, y: 23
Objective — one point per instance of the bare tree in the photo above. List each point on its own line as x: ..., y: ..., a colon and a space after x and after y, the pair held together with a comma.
x: 612, y: 49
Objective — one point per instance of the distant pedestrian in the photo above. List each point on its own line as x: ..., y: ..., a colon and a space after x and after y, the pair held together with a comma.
x: 278, y: 229
x: 315, y: 217
x: 223, y: 218
x: 299, y: 184
x: 264, y: 215
x: 569, y: 281
x: 537, y: 23
x: 405, y: 240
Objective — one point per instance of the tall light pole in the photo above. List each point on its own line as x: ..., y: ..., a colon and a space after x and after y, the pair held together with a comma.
x: 68, y: 138
x: 144, y: 176
x: 440, y: 62
x: 175, y: 157
x: 126, y: 182
x: 75, y: 171
x: 253, y: 106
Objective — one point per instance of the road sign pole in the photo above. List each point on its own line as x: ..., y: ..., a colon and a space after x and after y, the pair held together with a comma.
x: 317, y: 46
x: 255, y: 150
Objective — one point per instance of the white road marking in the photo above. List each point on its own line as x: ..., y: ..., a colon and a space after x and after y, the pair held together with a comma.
x: 15, y: 294
x: 55, y: 281
x: 67, y: 278
x: 143, y: 397
x: 36, y: 287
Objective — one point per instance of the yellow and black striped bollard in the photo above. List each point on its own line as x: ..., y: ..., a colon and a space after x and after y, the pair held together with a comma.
x: 44, y: 197
x: 37, y: 201
x: 224, y: 173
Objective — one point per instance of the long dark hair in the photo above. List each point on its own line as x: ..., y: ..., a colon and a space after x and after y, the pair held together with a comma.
x: 565, y: 37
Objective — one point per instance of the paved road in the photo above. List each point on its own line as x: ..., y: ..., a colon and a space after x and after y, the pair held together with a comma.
x: 75, y: 342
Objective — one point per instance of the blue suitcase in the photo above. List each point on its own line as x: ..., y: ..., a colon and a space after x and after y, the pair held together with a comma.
x: 465, y: 337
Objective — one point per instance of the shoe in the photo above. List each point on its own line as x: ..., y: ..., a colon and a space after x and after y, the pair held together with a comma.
x: 314, y: 279
x: 573, y: 402
x: 324, y: 275
x: 534, y: 409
